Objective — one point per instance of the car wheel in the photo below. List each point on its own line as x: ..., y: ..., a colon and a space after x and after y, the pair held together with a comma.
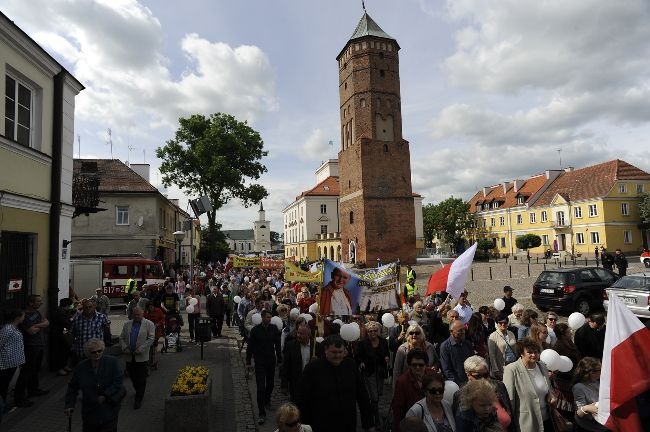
x: 646, y: 262
x: 583, y: 306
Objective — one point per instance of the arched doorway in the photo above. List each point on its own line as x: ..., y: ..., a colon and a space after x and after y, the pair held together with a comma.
x: 353, y: 252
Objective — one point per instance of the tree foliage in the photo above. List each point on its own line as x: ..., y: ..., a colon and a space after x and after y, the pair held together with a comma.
x: 528, y: 241
x: 644, y: 209
x: 216, y: 156
x: 485, y: 245
x: 275, y: 237
x: 213, y: 245
x: 448, y: 220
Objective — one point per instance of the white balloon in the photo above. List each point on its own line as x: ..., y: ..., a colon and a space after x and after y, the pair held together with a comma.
x: 550, y: 357
x: 357, y: 330
x: 277, y: 321
x: 349, y: 333
x: 576, y: 320
x: 450, y: 389
x: 307, y: 317
x: 190, y: 309
x: 237, y: 299
x: 499, y: 304
x: 246, y: 279
x: 257, y: 281
x: 388, y: 320
x: 268, y: 278
x: 294, y: 313
x: 256, y: 318
x: 319, y: 339
x: 338, y: 321
x: 193, y: 301
x: 313, y: 308
x: 564, y: 364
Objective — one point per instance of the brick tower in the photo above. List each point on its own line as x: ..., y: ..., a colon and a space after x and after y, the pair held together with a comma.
x: 376, y: 204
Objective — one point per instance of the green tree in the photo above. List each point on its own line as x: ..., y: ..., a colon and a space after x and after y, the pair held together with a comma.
x: 528, y: 241
x: 449, y: 220
x: 644, y: 209
x: 216, y: 156
x: 213, y: 245
x: 275, y: 237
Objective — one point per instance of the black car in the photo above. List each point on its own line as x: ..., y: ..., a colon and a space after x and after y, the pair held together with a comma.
x: 578, y: 289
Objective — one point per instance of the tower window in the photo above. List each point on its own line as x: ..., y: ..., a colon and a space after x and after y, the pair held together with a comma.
x: 363, y: 103
x: 351, y: 217
x: 345, y: 86
x: 381, y: 73
x: 385, y: 148
x: 349, y: 184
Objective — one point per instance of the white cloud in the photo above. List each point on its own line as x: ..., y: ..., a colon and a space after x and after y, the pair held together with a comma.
x: 316, y: 146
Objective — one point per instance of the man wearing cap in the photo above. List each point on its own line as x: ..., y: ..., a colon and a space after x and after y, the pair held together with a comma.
x: 102, y: 301
x: 508, y: 299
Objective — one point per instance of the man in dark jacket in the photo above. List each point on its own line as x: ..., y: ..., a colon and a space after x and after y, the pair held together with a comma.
x: 621, y: 262
x: 330, y: 389
x: 216, y: 307
x: 264, y: 347
x: 590, y: 338
x: 297, y: 354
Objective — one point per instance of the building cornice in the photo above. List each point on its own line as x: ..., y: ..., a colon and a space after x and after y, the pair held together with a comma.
x: 29, y: 153
x: 11, y: 34
x: 20, y: 202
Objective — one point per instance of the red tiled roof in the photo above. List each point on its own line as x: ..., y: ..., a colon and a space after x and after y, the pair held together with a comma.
x: 328, y: 187
x: 508, y: 199
x: 591, y: 182
x: 115, y: 176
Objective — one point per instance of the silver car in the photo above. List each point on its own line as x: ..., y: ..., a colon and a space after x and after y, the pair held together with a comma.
x: 634, y: 291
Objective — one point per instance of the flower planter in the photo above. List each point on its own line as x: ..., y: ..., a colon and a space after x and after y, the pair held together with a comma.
x: 182, y: 411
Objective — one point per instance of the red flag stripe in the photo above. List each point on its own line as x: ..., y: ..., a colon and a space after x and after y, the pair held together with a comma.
x: 438, y: 280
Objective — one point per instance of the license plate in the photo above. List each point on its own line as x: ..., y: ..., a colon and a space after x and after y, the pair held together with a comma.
x: 547, y: 291
x: 628, y: 300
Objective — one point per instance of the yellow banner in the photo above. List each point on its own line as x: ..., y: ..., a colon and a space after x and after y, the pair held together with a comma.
x: 295, y: 274
x: 238, y: 261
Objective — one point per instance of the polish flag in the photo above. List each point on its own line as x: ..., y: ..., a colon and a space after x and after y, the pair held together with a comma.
x: 452, y: 277
x: 625, y: 370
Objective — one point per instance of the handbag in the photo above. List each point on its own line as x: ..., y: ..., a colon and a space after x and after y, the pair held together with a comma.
x: 560, y: 423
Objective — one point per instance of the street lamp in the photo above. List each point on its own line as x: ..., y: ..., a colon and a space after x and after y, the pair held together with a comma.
x: 179, y: 236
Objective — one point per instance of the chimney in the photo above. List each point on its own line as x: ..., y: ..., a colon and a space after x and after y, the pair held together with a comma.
x: 142, y: 170
x: 518, y: 184
x: 568, y: 169
x: 486, y: 191
x: 506, y: 186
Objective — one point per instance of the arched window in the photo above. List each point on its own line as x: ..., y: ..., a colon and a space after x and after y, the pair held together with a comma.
x: 332, y: 252
x: 351, y: 217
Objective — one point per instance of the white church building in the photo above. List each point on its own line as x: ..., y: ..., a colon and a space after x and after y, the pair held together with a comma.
x: 254, y: 240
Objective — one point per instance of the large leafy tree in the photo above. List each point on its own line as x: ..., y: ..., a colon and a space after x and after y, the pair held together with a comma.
x: 449, y: 220
x: 644, y: 209
x: 528, y: 241
x: 216, y: 156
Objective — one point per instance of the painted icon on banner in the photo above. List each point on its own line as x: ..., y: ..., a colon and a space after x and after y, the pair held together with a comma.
x: 15, y: 285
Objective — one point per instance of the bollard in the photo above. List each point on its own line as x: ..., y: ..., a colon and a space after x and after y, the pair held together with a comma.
x: 490, y: 272
x: 537, y: 258
x: 528, y: 269
x: 506, y: 260
x: 544, y: 266
x: 510, y: 267
x: 472, y: 274
x: 586, y: 262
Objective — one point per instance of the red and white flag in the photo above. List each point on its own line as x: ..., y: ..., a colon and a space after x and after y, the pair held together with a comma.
x: 452, y: 278
x: 625, y: 371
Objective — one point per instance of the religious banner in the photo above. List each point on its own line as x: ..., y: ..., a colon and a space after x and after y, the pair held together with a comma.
x: 271, y: 263
x: 238, y: 262
x: 295, y: 274
x: 345, y: 292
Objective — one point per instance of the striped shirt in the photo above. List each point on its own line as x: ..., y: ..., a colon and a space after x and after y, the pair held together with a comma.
x: 84, y: 329
x: 12, y: 350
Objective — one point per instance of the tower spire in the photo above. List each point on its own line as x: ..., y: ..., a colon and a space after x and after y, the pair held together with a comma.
x: 363, y: 5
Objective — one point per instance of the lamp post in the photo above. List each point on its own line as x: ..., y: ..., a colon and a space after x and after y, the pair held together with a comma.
x: 179, y: 236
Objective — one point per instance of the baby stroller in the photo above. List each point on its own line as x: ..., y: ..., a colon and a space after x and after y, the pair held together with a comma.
x: 172, y: 339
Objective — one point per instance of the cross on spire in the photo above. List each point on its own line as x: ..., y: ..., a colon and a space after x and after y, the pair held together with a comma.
x: 363, y: 5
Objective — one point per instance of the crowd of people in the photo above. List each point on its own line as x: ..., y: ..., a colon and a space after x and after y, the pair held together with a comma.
x: 453, y: 367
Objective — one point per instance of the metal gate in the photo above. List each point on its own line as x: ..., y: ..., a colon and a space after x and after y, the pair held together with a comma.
x: 16, y: 267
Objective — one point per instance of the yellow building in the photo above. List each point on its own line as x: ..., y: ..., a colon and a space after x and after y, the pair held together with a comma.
x: 573, y: 211
x: 36, y: 142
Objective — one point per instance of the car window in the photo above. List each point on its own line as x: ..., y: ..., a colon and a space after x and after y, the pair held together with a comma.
x: 586, y: 275
x: 603, y: 274
x: 552, y: 277
x: 633, y: 282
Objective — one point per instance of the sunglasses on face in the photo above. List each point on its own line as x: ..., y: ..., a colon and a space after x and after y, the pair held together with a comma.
x: 416, y: 333
x: 436, y: 390
x: 551, y: 319
x: 477, y: 375
x: 372, y: 331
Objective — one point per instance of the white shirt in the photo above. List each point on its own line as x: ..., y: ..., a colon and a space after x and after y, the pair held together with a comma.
x: 340, y: 303
x: 304, y: 352
x: 464, y: 313
x: 541, y: 388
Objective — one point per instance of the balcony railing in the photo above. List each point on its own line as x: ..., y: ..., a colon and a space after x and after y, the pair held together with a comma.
x: 329, y: 236
x: 561, y: 224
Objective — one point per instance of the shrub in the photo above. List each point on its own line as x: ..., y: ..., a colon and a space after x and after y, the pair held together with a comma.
x: 191, y: 380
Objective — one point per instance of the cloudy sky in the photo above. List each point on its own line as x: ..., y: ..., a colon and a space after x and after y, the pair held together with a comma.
x: 492, y: 90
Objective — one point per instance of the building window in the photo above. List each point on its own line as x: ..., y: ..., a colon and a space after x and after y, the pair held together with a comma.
x: 486, y: 206
x: 492, y: 223
x: 351, y: 217
x: 495, y: 205
x: 484, y: 223
x: 18, y: 111
x: 560, y: 218
x: 122, y: 215
x: 323, y: 229
x: 503, y: 242
x: 639, y: 188
x: 580, y: 238
x: 622, y: 187
x: 593, y: 211
x: 545, y: 239
x: 627, y: 237
x: 249, y: 246
x: 520, y: 219
x: 521, y: 200
x: 544, y: 216
x: 502, y: 221
x: 625, y: 209
x: 595, y: 238
x: 533, y: 218
x: 323, y: 208
x: 577, y: 212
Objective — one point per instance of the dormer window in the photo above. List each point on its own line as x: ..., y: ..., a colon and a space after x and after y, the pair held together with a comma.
x: 521, y: 200
x: 486, y: 206
x: 495, y: 205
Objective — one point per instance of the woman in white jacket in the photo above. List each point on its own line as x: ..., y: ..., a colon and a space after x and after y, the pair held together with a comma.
x: 435, y: 412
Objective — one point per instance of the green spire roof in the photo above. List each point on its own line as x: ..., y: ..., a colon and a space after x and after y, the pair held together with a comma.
x: 368, y: 27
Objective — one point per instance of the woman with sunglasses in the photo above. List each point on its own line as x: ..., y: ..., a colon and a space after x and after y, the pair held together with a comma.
x: 372, y: 355
x: 415, y: 340
x: 585, y: 394
x: 433, y: 410
x: 287, y: 418
x: 502, y: 348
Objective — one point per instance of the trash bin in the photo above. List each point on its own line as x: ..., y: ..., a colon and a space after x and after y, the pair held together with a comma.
x: 203, y: 330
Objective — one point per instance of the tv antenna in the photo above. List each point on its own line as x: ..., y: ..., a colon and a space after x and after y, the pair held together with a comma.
x: 128, y: 154
x: 559, y: 152
x: 110, y: 141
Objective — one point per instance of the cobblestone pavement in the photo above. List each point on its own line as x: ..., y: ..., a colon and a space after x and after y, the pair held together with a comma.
x: 230, y: 394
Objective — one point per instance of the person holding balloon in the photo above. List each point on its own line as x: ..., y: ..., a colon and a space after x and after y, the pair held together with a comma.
x: 193, y: 312
x: 529, y: 387
x: 585, y: 394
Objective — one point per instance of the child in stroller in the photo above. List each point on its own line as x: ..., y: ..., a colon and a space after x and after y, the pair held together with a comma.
x: 172, y: 339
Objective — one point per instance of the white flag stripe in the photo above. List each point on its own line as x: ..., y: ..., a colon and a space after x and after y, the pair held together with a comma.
x: 459, y: 272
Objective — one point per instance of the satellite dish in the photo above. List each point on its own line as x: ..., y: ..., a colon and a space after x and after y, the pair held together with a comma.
x: 140, y: 221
